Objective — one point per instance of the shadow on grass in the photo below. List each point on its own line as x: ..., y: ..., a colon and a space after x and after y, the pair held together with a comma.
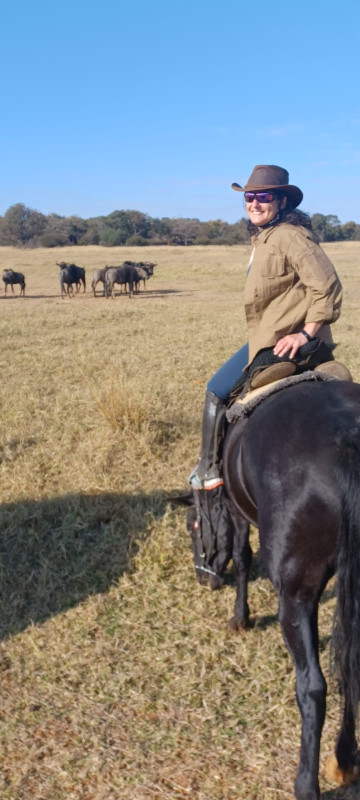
x: 11, y: 297
x: 55, y: 553
x: 150, y: 293
x: 328, y: 593
x: 267, y: 621
x: 343, y: 793
x: 30, y: 297
x: 257, y: 571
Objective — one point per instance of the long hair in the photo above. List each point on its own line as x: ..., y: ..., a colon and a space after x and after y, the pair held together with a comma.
x: 290, y: 215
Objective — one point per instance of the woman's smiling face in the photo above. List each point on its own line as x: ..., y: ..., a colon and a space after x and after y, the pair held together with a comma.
x: 261, y: 214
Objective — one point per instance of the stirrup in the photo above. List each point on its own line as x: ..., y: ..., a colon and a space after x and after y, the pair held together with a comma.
x: 213, y: 483
x: 194, y: 481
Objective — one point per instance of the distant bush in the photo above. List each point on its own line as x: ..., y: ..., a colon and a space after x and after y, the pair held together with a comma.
x: 112, y: 238
x: 136, y: 241
x: 203, y: 240
x: 155, y: 242
x: 53, y: 239
x: 91, y: 236
x: 24, y: 227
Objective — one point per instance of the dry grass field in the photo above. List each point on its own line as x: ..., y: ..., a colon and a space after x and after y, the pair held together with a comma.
x: 119, y: 679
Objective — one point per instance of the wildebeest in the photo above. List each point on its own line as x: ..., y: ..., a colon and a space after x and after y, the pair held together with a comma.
x: 144, y: 270
x: 293, y: 470
x: 10, y: 277
x: 126, y: 274
x: 70, y: 274
x: 98, y: 275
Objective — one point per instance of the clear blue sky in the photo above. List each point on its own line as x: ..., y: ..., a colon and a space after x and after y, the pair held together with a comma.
x: 158, y: 106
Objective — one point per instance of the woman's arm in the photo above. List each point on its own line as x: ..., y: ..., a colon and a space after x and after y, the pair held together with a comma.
x: 293, y: 341
x: 318, y: 275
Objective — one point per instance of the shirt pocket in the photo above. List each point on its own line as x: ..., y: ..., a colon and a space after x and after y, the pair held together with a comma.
x: 274, y: 276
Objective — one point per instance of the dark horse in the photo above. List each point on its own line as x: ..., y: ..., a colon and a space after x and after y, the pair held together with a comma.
x: 294, y: 472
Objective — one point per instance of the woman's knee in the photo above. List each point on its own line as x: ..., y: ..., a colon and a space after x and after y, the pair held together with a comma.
x: 222, y: 382
x: 216, y: 388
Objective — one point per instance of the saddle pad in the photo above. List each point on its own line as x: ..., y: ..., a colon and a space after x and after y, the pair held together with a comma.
x: 244, y: 406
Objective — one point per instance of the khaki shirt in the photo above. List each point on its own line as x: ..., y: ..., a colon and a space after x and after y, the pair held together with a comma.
x: 290, y: 282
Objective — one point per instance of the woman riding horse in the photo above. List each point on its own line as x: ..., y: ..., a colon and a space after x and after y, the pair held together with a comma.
x: 292, y: 294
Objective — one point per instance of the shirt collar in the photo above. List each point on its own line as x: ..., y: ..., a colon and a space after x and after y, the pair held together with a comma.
x: 263, y: 234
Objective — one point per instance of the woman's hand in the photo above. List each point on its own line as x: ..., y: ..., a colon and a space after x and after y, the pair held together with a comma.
x: 289, y: 344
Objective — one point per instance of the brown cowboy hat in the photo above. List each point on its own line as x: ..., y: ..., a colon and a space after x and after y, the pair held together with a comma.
x: 267, y: 176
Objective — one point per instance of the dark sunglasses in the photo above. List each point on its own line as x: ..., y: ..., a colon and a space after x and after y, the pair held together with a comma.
x: 262, y: 197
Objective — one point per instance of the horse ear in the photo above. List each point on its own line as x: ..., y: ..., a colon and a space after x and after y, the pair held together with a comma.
x: 182, y: 500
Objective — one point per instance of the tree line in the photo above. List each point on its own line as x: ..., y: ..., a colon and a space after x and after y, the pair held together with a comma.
x: 24, y: 227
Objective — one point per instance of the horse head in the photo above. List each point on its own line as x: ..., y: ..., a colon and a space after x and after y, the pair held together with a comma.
x: 211, y: 531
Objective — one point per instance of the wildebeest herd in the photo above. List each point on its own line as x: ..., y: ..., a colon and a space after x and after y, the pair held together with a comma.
x: 128, y: 276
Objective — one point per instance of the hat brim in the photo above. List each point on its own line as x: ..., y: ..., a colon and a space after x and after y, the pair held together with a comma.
x: 293, y: 192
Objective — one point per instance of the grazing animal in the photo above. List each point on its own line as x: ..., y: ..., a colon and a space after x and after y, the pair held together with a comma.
x: 144, y: 273
x: 70, y: 274
x: 294, y: 472
x: 98, y: 275
x: 144, y: 269
x: 10, y: 278
x: 126, y: 274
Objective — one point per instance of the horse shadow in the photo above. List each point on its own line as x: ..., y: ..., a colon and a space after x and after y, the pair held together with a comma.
x: 55, y: 553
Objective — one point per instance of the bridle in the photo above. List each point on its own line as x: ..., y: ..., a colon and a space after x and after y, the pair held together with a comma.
x: 201, y: 512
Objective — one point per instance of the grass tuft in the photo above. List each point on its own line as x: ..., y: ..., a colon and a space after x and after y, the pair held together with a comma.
x: 123, y: 409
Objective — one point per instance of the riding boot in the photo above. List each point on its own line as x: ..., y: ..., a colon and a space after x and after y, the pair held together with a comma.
x: 206, y: 474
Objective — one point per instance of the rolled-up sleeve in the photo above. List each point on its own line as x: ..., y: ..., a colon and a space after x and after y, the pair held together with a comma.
x: 319, y: 277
